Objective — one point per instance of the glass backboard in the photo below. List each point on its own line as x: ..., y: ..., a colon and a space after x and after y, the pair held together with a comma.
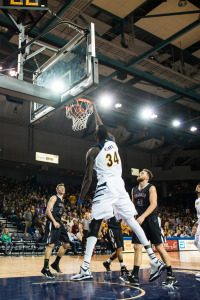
x: 70, y: 72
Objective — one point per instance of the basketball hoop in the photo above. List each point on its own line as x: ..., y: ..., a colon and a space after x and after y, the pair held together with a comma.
x: 79, y: 112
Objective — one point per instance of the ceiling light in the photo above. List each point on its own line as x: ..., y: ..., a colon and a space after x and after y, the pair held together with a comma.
x: 58, y: 86
x: 193, y: 128
x: 182, y: 3
x: 117, y: 105
x: 12, y: 73
x: 146, y: 113
x: 154, y: 116
x: 176, y: 123
x: 106, y: 100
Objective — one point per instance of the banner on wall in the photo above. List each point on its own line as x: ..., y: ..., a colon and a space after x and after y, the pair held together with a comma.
x: 185, y: 245
x: 128, y: 246
x: 170, y: 245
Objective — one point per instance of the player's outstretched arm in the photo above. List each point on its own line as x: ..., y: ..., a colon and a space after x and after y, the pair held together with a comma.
x: 98, y: 121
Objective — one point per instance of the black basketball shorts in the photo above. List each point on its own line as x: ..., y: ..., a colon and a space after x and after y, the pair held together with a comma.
x: 116, y: 237
x: 152, y: 230
x: 55, y: 235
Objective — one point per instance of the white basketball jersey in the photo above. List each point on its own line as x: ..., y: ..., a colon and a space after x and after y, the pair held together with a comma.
x: 197, y: 206
x: 108, y: 162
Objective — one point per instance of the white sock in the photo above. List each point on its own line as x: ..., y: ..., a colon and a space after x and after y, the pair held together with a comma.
x: 91, y: 241
x: 122, y: 264
x: 109, y: 260
x: 134, y: 225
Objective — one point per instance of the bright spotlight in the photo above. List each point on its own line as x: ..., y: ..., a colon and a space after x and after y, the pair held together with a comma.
x: 193, y: 128
x: 106, y: 101
x: 58, y: 86
x: 117, y: 105
x: 176, y: 123
x: 146, y: 113
x: 12, y: 73
x: 154, y: 116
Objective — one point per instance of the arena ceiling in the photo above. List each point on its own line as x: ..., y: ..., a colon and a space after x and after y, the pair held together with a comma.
x: 149, y: 55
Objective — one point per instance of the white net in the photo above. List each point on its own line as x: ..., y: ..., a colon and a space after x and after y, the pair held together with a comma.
x: 79, y: 112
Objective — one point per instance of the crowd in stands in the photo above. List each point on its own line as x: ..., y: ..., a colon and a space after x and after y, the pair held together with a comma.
x: 24, y: 204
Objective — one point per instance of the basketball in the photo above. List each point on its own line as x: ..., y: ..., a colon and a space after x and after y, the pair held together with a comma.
x: 77, y: 110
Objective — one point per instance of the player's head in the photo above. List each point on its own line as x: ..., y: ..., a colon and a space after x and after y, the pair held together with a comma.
x: 101, y: 133
x: 198, y: 188
x: 145, y: 174
x: 60, y: 189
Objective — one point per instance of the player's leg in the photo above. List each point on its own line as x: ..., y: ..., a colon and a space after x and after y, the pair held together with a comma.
x: 45, y: 271
x: 197, y: 243
x: 125, y: 274
x: 63, y: 248
x: 61, y: 252
x: 125, y: 209
x: 137, y: 262
x: 171, y: 279
x: 107, y: 263
x: 85, y: 272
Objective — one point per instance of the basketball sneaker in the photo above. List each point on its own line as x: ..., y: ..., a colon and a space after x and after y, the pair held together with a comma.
x: 156, y: 270
x: 125, y: 274
x: 170, y: 280
x: 56, y: 267
x: 82, y: 275
x: 107, y: 266
x: 134, y: 280
x: 47, y: 273
x: 197, y: 274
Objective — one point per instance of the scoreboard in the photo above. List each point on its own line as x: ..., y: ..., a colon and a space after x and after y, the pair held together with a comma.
x: 25, y: 3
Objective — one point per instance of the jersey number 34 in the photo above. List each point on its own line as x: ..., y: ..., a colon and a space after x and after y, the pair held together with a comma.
x: 112, y: 160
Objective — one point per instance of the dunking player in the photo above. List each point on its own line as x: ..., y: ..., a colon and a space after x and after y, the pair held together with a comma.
x: 55, y: 231
x: 144, y: 196
x: 116, y: 238
x: 197, y: 235
x: 110, y: 195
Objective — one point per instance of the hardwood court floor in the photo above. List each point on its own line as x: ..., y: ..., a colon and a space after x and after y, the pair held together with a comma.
x: 21, y: 280
x: 32, y: 265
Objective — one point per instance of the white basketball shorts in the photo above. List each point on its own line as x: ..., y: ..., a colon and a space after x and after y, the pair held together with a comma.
x: 112, y: 199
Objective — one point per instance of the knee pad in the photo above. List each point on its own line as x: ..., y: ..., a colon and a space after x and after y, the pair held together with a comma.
x: 94, y: 227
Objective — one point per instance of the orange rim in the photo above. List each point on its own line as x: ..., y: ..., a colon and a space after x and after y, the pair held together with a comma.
x: 79, y: 100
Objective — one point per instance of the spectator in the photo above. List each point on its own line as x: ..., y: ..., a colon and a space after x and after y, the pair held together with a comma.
x: 75, y: 228
x: 125, y: 233
x: 6, y: 240
x: 73, y: 241
x: 20, y: 221
x: 1, y: 227
x: 85, y: 229
x: 28, y: 219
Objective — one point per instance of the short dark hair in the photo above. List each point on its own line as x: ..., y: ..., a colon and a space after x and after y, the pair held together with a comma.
x: 101, y: 132
x: 150, y: 174
x: 60, y: 184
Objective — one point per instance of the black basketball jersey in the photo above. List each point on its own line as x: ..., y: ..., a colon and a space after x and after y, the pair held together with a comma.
x: 141, y: 199
x: 58, y: 209
x: 113, y: 223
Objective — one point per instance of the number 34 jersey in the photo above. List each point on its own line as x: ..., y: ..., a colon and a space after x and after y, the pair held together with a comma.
x: 108, y: 162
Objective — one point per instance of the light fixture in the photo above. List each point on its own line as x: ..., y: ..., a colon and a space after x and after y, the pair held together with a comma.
x: 57, y: 86
x: 182, y: 3
x: 117, y: 105
x: 105, y: 100
x: 176, y: 123
x: 146, y: 113
x: 193, y: 128
x: 12, y: 72
x: 154, y: 116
